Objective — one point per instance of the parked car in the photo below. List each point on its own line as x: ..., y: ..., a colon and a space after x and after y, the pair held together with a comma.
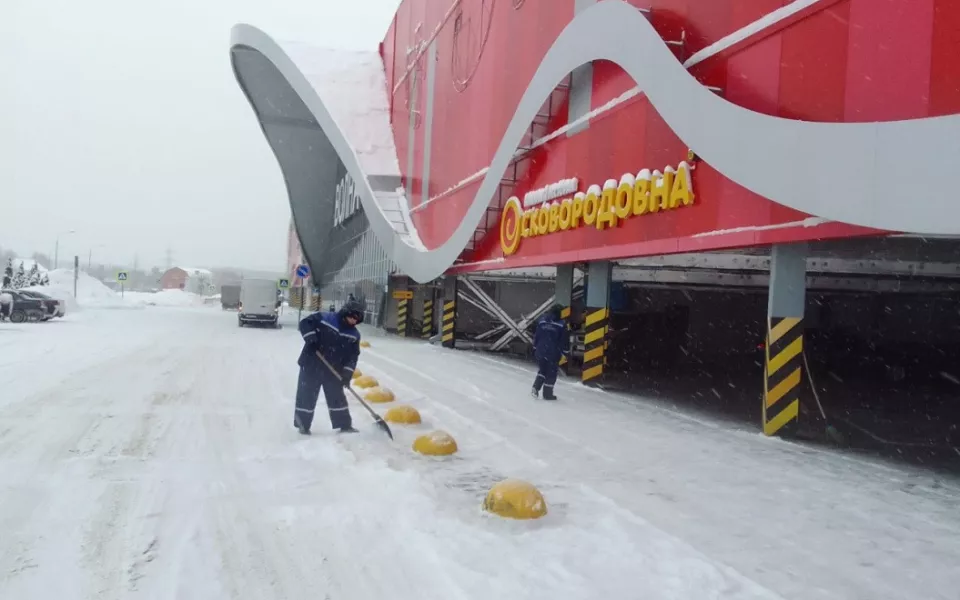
x: 55, y: 307
x: 27, y: 308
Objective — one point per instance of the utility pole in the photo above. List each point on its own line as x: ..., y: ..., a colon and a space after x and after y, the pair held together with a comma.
x: 169, y: 258
x: 56, y: 248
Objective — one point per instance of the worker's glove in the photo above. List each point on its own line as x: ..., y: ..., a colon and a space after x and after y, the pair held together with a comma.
x: 345, y: 377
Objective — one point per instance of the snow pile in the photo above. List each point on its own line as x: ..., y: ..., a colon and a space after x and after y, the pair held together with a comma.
x: 171, y: 298
x: 91, y: 293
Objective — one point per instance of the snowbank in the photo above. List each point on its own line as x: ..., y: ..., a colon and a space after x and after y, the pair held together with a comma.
x: 91, y: 293
x: 164, y: 298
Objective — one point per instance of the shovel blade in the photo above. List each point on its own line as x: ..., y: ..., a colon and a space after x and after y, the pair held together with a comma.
x: 386, y: 428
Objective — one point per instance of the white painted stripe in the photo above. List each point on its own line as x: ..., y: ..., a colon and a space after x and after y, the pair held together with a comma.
x: 764, y: 22
x: 808, y: 222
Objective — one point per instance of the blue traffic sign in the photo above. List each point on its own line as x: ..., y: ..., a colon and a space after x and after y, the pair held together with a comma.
x: 303, y: 271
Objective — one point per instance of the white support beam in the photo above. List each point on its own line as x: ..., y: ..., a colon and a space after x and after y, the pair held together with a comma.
x: 501, y: 314
x: 523, y: 324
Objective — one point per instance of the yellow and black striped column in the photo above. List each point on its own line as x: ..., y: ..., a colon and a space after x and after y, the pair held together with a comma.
x: 449, y: 323
x: 565, y: 315
x: 448, y: 327
x: 402, y: 306
x: 426, y: 331
x: 594, y: 344
x: 782, y: 375
x: 315, y: 302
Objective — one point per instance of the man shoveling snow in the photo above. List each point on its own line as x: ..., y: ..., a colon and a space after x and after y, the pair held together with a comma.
x: 335, y: 337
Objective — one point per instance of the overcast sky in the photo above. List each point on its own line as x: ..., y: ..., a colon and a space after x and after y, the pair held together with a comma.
x: 121, y: 119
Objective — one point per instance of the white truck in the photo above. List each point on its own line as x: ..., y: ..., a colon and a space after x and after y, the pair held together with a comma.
x: 259, y: 303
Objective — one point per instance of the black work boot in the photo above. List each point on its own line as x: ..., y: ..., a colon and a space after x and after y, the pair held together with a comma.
x: 303, y: 429
x: 348, y: 429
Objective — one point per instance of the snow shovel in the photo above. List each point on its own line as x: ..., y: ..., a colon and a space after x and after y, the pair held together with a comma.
x: 380, y: 422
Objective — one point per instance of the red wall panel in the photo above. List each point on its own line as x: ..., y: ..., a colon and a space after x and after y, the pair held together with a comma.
x: 850, y: 60
x: 888, y: 59
x: 945, y: 66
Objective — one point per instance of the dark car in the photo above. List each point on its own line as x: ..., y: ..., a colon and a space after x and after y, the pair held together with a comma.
x: 27, y: 308
x: 55, y: 308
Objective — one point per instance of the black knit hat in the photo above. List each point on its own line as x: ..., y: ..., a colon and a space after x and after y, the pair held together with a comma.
x: 352, y: 309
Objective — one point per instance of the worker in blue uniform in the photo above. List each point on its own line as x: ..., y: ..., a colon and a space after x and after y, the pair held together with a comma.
x: 550, y: 343
x: 335, y: 336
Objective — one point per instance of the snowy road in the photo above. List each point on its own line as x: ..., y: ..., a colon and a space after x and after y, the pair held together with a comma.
x: 150, y: 454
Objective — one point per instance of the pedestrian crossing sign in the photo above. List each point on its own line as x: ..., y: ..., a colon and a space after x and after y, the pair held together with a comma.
x: 122, y: 276
x: 283, y: 284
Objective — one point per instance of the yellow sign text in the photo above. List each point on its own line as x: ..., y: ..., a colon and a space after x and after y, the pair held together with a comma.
x: 601, y: 207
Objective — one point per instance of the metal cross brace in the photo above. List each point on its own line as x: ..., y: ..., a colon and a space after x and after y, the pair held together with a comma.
x: 532, y: 317
x: 501, y: 315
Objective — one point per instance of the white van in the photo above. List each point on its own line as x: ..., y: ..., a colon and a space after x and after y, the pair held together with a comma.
x: 258, y: 302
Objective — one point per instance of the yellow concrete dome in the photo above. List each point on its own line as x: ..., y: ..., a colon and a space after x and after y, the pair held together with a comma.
x: 357, y: 374
x: 364, y: 344
x: 379, y: 395
x: 435, y: 443
x: 515, y: 499
x: 403, y: 414
x: 365, y: 381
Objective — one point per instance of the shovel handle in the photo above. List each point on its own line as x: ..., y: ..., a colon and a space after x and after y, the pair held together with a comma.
x: 383, y: 424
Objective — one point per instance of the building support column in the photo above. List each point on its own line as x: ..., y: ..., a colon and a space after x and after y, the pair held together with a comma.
x: 403, y: 306
x: 449, y: 329
x: 564, y: 297
x: 595, y: 324
x: 426, y: 329
x: 400, y: 303
x: 783, y: 369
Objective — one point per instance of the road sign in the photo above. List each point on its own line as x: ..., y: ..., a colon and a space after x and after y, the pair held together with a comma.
x: 403, y: 295
x: 283, y: 283
x: 122, y: 276
x: 303, y: 271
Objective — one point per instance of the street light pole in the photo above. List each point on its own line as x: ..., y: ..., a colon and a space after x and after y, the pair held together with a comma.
x: 56, y: 248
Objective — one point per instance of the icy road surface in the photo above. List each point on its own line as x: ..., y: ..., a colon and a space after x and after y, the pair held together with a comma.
x: 150, y: 454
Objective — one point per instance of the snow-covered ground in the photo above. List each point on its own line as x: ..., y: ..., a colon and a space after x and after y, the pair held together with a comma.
x: 151, y: 454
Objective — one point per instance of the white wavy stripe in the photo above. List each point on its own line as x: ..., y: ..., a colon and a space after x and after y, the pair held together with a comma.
x: 892, y: 175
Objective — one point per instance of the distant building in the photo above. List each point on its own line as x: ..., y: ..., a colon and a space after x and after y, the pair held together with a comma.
x: 188, y: 279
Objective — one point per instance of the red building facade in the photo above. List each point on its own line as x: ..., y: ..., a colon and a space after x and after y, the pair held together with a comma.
x: 833, y: 61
